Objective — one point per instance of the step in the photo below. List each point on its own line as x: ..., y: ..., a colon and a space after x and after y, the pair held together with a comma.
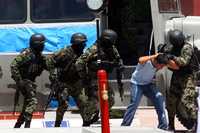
x: 15, y: 115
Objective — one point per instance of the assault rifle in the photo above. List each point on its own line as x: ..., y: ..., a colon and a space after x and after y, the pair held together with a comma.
x: 164, y: 48
x: 16, y: 96
x: 120, y: 84
x: 55, y: 85
x: 119, y: 75
x: 54, y: 88
x: 17, y: 93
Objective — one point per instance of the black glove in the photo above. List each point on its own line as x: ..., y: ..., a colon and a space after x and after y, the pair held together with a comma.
x: 164, y: 48
x: 160, y: 48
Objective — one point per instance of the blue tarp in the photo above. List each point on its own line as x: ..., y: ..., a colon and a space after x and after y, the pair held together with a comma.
x: 16, y: 37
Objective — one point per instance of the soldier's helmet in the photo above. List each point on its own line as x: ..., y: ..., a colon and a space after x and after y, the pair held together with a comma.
x: 176, y: 37
x: 37, y: 42
x: 78, y: 38
x: 78, y: 41
x: 108, y: 38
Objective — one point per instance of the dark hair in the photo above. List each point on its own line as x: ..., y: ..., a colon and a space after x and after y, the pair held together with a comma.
x: 162, y: 59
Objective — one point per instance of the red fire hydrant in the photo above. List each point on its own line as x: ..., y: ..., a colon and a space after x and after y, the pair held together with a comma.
x: 103, y: 98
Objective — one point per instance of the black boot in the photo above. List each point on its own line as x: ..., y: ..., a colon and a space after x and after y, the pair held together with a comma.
x: 27, y: 124
x: 57, y: 123
x: 18, y: 125
x: 193, y: 129
x: 95, y: 118
x: 59, y: 118
x: 86, y: 123
x: 171, y: 124
x: 60, y: 113
x: 27, y: 119
x: 20, y: 121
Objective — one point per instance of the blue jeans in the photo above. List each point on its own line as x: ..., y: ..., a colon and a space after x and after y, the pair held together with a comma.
x: 150, y: 91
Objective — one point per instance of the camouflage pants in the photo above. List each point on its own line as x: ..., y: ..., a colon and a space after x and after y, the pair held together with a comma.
x: 80, y: 98
x: 93, y: 100
x: 61, y: 97
x: 86, y: 100
x: 29, y: 105
x: 182, y: 92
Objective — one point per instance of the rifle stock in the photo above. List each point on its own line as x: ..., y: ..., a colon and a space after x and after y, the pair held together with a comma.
x: 54, y: 86
x: 119, y: 69
x: 16, y: 100
x: 49, y: 97
x: 16, y: 96
x: 120, y: 84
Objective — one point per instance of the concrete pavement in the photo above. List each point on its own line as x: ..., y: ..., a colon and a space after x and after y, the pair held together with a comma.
x: 145, y: 121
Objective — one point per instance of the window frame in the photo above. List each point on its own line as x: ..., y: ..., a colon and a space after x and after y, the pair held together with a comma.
x: 13, y: 21
x: 168, y: 11
x: 58, y: 20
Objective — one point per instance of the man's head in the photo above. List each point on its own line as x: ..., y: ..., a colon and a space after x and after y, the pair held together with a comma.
x: 176, y: 38
x: 161, y: 60
x: 108, y: 38
x: 78, y: 41
x: 37, y: 42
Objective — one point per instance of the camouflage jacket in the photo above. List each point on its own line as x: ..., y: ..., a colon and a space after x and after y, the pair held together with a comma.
x: 183, y: 58
x: 61, y: 65
x: 87, y: 63
x: 27, y: 65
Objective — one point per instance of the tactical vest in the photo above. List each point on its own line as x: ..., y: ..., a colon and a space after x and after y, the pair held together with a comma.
x: 106, y: 57
x: 65, y: 62
x: 33, y: 67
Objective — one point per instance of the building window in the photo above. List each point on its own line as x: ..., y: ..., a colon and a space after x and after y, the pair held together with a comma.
x: 168, y: 6
x: 60, y: 10
x: 13, y: 11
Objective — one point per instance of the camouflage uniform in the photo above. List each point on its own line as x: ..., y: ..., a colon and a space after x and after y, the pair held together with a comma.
x: 182, y: 90
x: 63, y: 74
x: 24, y: 70
x: 62, y: 70
x: 87, y: 66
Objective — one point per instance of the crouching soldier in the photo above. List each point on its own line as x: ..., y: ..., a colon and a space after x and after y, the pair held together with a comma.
x: 64, y: 77
x: 24, y: 69
x: 101, y: 55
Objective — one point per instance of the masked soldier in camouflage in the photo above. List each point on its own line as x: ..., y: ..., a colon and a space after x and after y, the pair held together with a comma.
x: 103, y: 54
x: 182, y: 94
x: 24, y: 69
x: 64, y: 77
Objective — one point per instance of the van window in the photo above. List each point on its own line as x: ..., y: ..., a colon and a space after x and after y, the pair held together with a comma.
x: 60, y: 10
x: 13, y: 11
x: 168, y: 6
